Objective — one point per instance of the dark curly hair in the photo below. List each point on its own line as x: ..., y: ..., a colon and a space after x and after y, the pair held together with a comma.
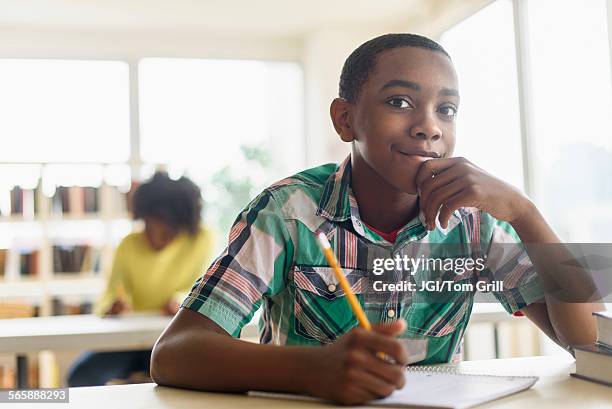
x: 176, y: 202
x: 361, y: 62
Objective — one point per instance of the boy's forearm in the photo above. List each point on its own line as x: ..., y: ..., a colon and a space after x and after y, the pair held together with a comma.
x: 532, y: 227
x: 572, y: 321
x: 208, y: 361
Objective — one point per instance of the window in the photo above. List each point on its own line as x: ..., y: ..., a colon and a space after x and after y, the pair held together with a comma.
x: 488, y: 123
x: 64, y: 111
x: 568, y: 82
x: 572, y: 129
x: 232, y: 126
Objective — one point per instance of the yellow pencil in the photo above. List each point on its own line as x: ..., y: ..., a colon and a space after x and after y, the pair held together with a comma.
x: 353, y: 302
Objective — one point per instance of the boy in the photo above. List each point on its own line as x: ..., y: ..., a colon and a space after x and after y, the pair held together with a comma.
x: 397, y: 107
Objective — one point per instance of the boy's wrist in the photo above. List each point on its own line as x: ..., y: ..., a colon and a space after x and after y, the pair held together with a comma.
x: 305, y: 371
x: 527, y: 214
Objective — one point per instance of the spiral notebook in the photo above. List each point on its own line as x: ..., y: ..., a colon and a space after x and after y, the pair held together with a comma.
x: 439, y: 387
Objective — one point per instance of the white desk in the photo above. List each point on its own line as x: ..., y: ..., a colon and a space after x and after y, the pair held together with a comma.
x: 25, y: 335
x: 555, y: 389
x: 137, y: 331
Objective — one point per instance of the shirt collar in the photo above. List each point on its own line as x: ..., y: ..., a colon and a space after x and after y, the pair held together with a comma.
x: 338, y: 204
x: 334, y: 204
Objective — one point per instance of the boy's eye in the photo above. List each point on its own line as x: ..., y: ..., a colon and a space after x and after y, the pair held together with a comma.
x: 399, y: 103
x: 448, y: 110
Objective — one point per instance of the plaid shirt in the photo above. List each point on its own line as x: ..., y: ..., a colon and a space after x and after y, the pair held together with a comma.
x: 274, y: 261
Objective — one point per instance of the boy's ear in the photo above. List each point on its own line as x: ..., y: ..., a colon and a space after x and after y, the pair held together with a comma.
x: 340, y: 112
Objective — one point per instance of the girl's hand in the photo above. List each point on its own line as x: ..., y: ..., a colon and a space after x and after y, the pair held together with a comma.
x: 445, y: 185
x: 119, y: 306
x: 171, y: 307
x: 350, y: 372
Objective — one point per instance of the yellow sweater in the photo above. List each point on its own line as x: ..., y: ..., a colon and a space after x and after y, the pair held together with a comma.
x: 149, y: 278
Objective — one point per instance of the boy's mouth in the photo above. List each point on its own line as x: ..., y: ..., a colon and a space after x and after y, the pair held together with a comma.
x: 419, y: 153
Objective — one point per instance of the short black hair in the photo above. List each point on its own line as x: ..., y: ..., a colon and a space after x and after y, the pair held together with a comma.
x: 361, y: 62
x: 176, y: 202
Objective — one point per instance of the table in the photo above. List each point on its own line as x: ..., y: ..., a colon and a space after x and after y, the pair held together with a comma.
x: 23, y: 335
x: 555, y: 389
x: 70, y: 332
x: 26, y: 335
x: 136, y: 331
x: 492, y: 313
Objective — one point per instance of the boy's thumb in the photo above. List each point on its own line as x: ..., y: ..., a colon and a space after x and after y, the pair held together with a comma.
x: 392, y: 329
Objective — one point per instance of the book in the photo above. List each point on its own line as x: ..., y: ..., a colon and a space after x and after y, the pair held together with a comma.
x: 17, y: 310
x: 439, y: 387
x: 91, y: 201
x: 60, y: 307
x: 24, y: 202
x: 119, y: 202
x: 16, y: 200
x: 28, y: 262
x: 603, y: 319
x: 594, y: 363
x: 3, y: 261
x: 75, y: 259
x: 60, y: 203
x: 75, y: 200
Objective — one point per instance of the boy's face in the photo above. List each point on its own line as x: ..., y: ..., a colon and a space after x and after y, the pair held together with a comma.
x: 404, y: 115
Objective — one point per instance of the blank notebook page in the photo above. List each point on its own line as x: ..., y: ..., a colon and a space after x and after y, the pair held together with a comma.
x: 451, y: 390
x: 440, y: 387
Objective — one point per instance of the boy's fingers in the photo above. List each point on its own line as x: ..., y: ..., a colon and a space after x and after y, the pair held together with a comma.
x: 393, y: 373
x: 377, y: 386
x: 392, y: 329
x: 430, y: 185
x: 433, y: 167
x: 453, y: 203
x: 377, y: 343
x: 439, y: 197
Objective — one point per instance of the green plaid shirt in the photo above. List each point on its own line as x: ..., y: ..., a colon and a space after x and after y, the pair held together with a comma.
x: 274, y: 261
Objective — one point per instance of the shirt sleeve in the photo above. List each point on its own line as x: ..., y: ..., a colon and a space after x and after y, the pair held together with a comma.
x: 507, y: 261
x: 253, y: 266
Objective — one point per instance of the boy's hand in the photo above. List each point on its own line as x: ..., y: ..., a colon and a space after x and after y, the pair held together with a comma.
x: 119, y: 306
x: 448, y: 184
x: 349, y: 372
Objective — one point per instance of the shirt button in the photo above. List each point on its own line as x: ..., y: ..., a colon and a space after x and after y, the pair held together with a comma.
x: 331, y: 288
x: 391, y: 313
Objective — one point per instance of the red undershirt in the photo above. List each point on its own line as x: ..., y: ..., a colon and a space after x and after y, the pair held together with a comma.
x: 390, y: 237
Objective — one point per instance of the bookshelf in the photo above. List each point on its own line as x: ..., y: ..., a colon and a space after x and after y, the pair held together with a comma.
x: 59, y: 226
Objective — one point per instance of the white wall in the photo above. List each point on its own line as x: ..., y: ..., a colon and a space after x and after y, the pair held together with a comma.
x: 322, y: 53
x: 58, y: 42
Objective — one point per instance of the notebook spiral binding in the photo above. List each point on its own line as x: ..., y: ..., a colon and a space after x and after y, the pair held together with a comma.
x: 454, y: 370
x: 435, y: 369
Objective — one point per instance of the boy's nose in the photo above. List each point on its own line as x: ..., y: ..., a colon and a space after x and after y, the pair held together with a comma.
x: 426, y: 127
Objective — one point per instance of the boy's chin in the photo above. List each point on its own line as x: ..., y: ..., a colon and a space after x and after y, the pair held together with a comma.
x: 412, y: 189
x: 407, y: 186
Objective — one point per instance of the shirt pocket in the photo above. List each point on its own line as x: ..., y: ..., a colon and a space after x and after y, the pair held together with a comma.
x: 321, y: 312
x: 439, y: 313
